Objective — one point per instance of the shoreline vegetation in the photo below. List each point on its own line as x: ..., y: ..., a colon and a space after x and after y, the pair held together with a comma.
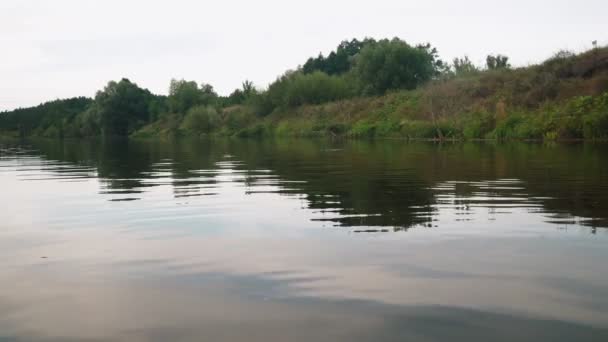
x: 364, y: 89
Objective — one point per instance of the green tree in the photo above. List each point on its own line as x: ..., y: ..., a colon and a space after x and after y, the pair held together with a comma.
x: 337, y: 62
x: 394, y: 64
x: 200, y: 119
x: 315, y: 88
x: 235, y: 98
x: 157, y: 106
x: 463, y: 66
x: 123, y: 107
x: 208, y: 96
x: 497, y: 62
x: 240, y: 96
x: 183, y: 95
x: 88, y: 122
x: 439, y: 65
x: 35, y: 120
x: 248, y: 88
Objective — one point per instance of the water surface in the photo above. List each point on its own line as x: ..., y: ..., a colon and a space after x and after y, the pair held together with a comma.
x: 302, y: 240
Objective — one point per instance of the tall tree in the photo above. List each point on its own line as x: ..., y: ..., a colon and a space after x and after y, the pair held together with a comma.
x: 337, y: 62
x: 184, y: 95
x: 122, y: 107
x: 394, y: 64
x: 497, y: 62
x: 463, y: 66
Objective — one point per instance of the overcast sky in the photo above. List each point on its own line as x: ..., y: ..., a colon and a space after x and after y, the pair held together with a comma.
x: 62, y: 48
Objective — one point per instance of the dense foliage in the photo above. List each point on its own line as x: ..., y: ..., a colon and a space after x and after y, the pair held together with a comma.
x: 463, y: 66
x: 184, y: 95
x: 47, y: 116
x: 241, y: 96
x: 200, y: 120
x: 337, y: 62
x: 296, y: 88
x: 497, y: 62
x: 364, y: 88
x: 394, y: 64
x: 122, y: 107
x: 356, y: 68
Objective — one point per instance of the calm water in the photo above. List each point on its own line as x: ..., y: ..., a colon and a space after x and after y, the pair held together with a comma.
x: 303, y: 241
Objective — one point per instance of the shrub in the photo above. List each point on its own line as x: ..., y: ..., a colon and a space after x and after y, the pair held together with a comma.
x: 337, y: 129
x: 446, y: 129
x: 315, y: 88
x: 507, y: 128
x: 51, y: 132
x: 200, y: 119
x: 530, y: 127
x: 477, y: 125
x: 238, y: 118
x: 419, y: 130
x: 595, y: 123
x: 256, y: 131
x: 363, y: 128
x: 595, y: 126
x: 386, y: 127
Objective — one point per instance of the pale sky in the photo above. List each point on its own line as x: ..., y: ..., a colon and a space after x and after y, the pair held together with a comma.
x: 63, y: 48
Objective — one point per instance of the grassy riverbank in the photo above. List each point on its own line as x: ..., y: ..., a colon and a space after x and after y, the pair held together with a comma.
x: 402, y: 115
x: 566, y: 97
x: 563, y: 98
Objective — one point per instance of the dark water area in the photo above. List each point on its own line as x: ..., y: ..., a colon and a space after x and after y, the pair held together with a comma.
x: 302, y: 240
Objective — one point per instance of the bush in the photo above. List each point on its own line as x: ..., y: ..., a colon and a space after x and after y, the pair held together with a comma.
x: 507, y: 128
x: 477, y: 125
x: 316, y: 88
x: 88, y: 122
x: 200, y: 119
x: 363, y: 128
x: 530, y: 129
x: 386, y: 127
x: 419, y: 130
x: 519, y: 126
x: 51, y: 132
x: 595, y: 126
x: 257, y: 131
x: 446, y: 129
x: 239, y: 118
x: 337, y: 129
x: 380, y: 128
x: 595, y: 123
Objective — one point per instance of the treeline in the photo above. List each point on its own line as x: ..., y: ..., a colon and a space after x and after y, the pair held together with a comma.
x: 356, y: 68
x: 53, y: 116
x: 432, y: 94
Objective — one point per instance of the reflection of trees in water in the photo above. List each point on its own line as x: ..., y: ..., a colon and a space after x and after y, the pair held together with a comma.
x: 390, y: 185
x: 347, y: 186
x: 130, y: 167
x: 193, y: 167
